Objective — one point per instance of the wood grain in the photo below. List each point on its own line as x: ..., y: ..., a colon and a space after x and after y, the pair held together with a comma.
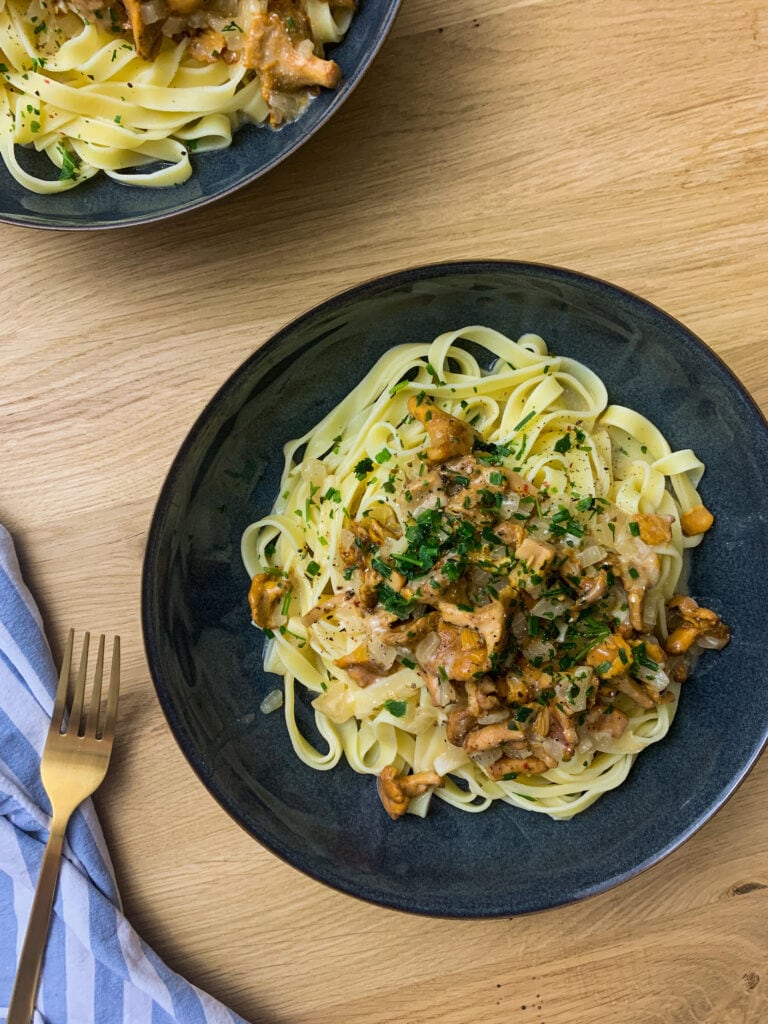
x: 626, y: 140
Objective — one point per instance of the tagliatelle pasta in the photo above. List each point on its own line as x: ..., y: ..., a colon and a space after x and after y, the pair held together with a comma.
x: 96, y: 89
x: 474, y: 564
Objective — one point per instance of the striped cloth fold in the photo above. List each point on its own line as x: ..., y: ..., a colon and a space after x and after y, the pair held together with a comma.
x: 96, y: 968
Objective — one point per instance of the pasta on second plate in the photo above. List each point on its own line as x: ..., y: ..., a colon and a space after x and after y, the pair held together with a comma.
x: 477, y: 573
x: 131, y: 88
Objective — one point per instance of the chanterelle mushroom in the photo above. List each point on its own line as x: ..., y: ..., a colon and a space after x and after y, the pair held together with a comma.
x: 511, y: 766
x: 146, y: 37
x: 696, y: 520
x: 694, y: 624
x: 537, y: 554
x: 265, y: 598
x: 591, y: 590
x: 489, y: 620
x: 490, y: 736
x: 279, y: 47
x: 448, y: 435
x: 461, y: 653
x: 362, y: 666
x: 396, y: 791
x: 654, y: 529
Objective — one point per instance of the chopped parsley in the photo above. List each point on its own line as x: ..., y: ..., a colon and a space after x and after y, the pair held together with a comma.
x: 397, y: 708
x: 642, y: 658
x: 70, y: 164
x: 394, y: 602
x: 363, y: 468
x: 381, y: 567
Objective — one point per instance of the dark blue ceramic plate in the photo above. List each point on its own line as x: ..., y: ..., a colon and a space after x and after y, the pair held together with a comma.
x: 205, y: 657
x: 103, y: 203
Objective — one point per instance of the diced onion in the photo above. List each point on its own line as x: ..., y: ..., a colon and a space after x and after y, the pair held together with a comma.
x: 493, y: 717
x: 658, y: 680
x: 711, y: 643
x: 483, y: 758
x: 548, y: 608
x: 571, y: 704
x: 519, y: 625
x: 554, y: 748
x: 234, y: 41
x: 591, y: 555
x: 336, y: 702
x: 444, y: 693
x: 427, y: 647
x: 313, y: 471
x: 173, y: 26
x: 383, y: 654
x: 537, y: 649
x: 586, y: 745
x: 510, y: 503
x: 605, y: 743
x: 271, y: 702
x: 515, y: 750
x: 152, y: 11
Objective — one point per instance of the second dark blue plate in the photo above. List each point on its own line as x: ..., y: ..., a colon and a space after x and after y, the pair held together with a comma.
x: 104, y: 203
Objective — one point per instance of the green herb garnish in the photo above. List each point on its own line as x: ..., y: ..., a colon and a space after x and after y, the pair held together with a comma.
x: 396, y: 707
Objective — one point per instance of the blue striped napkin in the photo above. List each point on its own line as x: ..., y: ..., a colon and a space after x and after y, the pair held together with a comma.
x: 96, y: 969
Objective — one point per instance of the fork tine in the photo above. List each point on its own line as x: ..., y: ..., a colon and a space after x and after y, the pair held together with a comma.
x: 60, y: 702
x: 77, y: 698
x: 108, y: 731
x: 91, y: 723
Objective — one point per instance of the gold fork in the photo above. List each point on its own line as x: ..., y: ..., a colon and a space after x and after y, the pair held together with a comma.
x: 74, y: 764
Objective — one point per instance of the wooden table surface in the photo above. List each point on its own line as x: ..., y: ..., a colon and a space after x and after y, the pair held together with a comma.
x: 628, y: 140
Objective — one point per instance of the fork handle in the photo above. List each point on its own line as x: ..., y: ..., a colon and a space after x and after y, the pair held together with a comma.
x: 28, y: 972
